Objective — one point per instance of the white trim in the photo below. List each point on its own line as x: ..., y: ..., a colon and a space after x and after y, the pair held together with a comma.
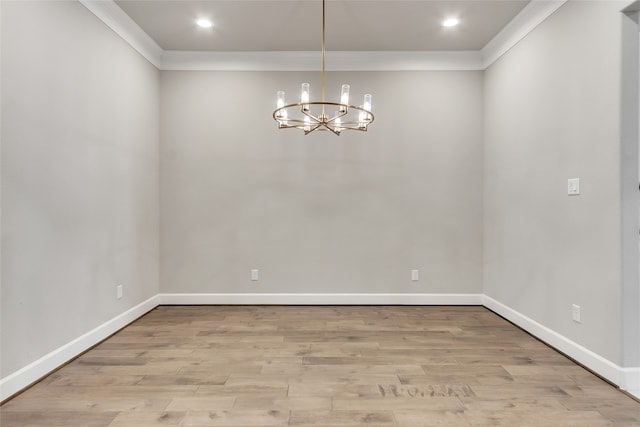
x: 31, y: 373
x: 526, y: 21
x: 591, y: 360
x: 122, y: 24
x: 322, y: 299
x: 309, y: 61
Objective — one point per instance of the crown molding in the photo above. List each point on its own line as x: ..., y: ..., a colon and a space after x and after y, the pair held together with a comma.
x: 309, y: 61
x: 632, y: 8
x: 528, y: 19
x: 122, y: 24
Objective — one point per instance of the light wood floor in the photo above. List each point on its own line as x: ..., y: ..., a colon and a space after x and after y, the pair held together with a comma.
x: 321, y: 366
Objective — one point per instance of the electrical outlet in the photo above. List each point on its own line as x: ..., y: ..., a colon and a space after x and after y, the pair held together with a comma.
x: 415, y: 275
x: 573, y: 186
x: 575, y: 313
x: 254, y: 275
x: 119, y: 291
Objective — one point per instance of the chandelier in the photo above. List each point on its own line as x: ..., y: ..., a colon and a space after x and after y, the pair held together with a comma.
x: 323, y: 115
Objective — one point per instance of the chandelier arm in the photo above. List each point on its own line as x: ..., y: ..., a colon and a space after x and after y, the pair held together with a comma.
x: 311, y: 129
x: 311, y: 116
x: 339, y: 114
x: 331, y: 129
x: 297, y: 122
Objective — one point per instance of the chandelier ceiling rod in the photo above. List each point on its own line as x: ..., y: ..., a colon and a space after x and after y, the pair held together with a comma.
x: 323, y: 52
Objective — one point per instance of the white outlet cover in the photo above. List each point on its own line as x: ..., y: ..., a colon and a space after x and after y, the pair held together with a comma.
x: 254, y: 275
x: 415, y: 275
x: 575, y: 313
x: 573, y: 186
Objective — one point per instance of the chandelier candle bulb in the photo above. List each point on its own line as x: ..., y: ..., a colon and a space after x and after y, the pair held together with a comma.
x: 344, y: 98
x: 304, y: 96
x: 367, y: 102
x: 282, y: 114
x: 280, y: 102
x: 338, y: 121
x: 366, y: 107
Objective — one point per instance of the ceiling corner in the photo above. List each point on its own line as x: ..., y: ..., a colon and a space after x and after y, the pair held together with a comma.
x: 526, y: 21
x: 116, y: 19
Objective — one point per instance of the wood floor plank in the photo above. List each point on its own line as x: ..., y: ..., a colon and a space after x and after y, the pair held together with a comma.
x: 80, y: 404
x: 283, y: 404
x: 340, y: 417
x: 236, y: 418
x: 208, y: 403
x: 55, y: 418
x: 341, y: 370
x: 335, y: 390
x: 341, y: 366
x: 399, y: 403
x: 239, y: 390
x: 501, y: 418
x: 148, y: 419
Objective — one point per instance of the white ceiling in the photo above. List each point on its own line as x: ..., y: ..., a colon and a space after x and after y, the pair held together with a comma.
x: 285, y: 35
x: 295, y: 25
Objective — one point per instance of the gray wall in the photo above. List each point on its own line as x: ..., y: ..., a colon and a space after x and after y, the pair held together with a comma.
x: 79, y: 177
x: 552, y: 112
x: 321, y: 213
x: 86, y: 122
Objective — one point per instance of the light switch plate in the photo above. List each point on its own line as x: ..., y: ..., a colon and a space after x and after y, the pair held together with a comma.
x: 573, y: 186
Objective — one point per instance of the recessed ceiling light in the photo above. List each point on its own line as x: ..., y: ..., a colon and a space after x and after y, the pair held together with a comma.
x: 204, y: 23
x: 451, y: 22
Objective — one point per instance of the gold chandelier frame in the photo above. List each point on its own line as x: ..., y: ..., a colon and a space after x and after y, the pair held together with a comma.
x: 322, y: 122
x: 314, y: 113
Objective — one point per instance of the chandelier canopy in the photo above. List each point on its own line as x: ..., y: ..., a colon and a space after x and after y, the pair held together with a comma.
x: 323, y: 115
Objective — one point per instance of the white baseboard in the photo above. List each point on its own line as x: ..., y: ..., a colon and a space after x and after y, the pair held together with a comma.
x: 31, y: 373
x: 323, y: 299
x: 591, y: 360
